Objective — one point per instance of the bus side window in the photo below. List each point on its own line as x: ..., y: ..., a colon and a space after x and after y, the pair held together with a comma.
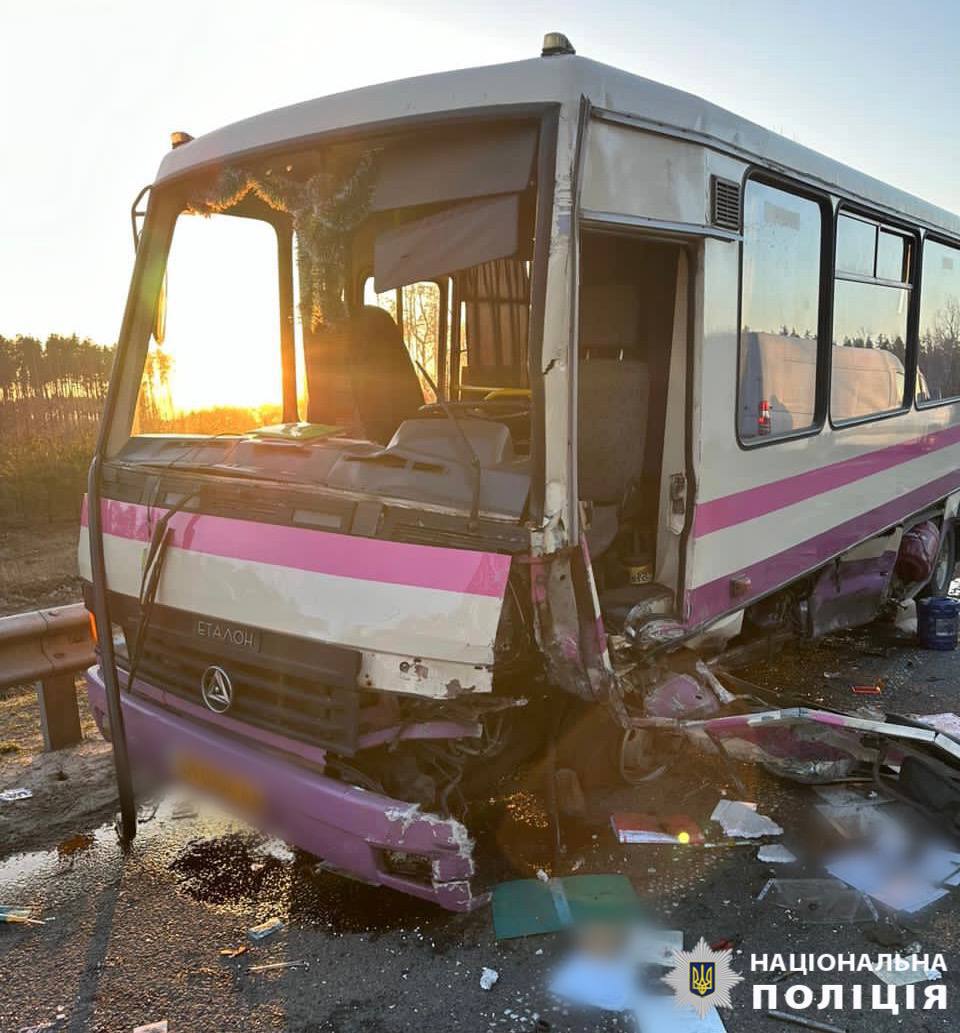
x: 938, y: 378
x: 871, y: 301
x: 421, y: 320
x: 780, y: 313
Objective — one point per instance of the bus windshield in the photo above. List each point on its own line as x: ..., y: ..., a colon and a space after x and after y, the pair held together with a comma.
x: 345, y: 288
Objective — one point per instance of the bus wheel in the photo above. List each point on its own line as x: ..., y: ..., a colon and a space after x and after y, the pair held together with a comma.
x: 939, y: 583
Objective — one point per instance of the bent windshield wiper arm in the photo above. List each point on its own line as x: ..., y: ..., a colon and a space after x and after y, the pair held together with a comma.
x: 472, y: 456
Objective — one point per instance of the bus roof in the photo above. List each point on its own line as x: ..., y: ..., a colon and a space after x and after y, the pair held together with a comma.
x: 561, y: 79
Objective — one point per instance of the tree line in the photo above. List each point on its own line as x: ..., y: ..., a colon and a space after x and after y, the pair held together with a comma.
x: 57, y: 368
x: 51, y: 396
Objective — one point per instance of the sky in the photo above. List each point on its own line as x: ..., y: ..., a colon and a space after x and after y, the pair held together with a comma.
x: 92, y: 89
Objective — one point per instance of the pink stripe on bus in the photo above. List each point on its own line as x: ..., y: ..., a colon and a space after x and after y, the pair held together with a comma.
x: 768, y: 498
x: 714, y: 598
x: 321, y: 552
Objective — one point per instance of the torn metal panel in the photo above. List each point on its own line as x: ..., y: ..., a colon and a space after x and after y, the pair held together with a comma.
x: 803, y: 743
x: 569, y: 627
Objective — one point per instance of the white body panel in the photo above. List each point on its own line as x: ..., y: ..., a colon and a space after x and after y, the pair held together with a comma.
x: 424, y: 641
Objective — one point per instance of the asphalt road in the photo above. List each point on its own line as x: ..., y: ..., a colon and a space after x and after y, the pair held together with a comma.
x: 134, y: 937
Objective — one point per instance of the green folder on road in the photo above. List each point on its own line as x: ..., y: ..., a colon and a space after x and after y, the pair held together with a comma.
x: 527, y: 907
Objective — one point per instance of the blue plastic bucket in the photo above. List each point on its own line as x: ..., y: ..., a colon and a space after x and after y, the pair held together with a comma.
x: 937, y: 622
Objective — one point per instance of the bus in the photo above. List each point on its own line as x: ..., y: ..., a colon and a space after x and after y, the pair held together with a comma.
x: 444, y: 405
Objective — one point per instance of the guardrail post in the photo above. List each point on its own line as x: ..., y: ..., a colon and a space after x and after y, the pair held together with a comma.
x: 59, y: 713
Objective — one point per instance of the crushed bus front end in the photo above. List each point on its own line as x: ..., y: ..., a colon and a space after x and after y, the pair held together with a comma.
x: 320, y: 532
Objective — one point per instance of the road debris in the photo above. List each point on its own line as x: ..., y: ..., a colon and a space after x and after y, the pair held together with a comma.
x: 848, y: 796
x: 890, y: 880
x: 152, y: 1027
x: 799, y: 1020
x: 17, y: 915
x: 9, y: 795
x: 274, y: 965
x: 775, y: 853
x: 900, y: 971
x: 948, y: 723
x: 233, y: 952
x: 528, y: 907
x: 646, y: 828
x: 740, y: 820
x: 265, y: 929
x: 820, y: 901
x: 854, y: 821
x: 488, y: 978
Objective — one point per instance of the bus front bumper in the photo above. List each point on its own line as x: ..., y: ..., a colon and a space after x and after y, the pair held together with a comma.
x: 358, y: 833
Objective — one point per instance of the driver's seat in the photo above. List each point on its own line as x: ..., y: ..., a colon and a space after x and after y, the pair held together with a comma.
x: 360, y: 375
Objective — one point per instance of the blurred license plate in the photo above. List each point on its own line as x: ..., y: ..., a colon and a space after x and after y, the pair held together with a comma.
x: 233, y: 789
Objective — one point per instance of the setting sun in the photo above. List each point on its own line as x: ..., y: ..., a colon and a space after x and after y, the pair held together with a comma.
x: 222, y: 330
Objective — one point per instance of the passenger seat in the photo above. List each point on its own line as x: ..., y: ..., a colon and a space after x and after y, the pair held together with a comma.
x: 613, y: 398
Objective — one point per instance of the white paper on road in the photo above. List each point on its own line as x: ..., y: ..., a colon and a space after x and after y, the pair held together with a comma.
x: 741, y: 820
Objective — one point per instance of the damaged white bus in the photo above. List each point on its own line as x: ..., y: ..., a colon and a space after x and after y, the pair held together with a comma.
x: 502, y: 391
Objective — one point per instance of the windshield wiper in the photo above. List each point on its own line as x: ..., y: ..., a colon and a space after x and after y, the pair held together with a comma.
x: 471, y: 454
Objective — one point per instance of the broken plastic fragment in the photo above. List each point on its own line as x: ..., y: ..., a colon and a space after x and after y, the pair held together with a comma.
x: 820, y: 901
x: 9, y: 795
x: 265, y: 929
x: 488, y: 977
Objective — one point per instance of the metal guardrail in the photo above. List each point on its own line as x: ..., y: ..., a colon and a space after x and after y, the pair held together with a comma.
x: 49, y: 647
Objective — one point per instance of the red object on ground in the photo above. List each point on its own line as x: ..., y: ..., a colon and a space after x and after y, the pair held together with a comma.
x: 646, y: 828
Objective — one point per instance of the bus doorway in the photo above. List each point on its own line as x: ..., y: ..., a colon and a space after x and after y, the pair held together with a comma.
x: 631, y: 364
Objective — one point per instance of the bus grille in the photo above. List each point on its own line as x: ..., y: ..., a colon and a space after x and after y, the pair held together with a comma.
x: 286, y: 702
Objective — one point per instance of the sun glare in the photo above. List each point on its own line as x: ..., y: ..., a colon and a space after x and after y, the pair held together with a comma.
x: 221, y: 348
